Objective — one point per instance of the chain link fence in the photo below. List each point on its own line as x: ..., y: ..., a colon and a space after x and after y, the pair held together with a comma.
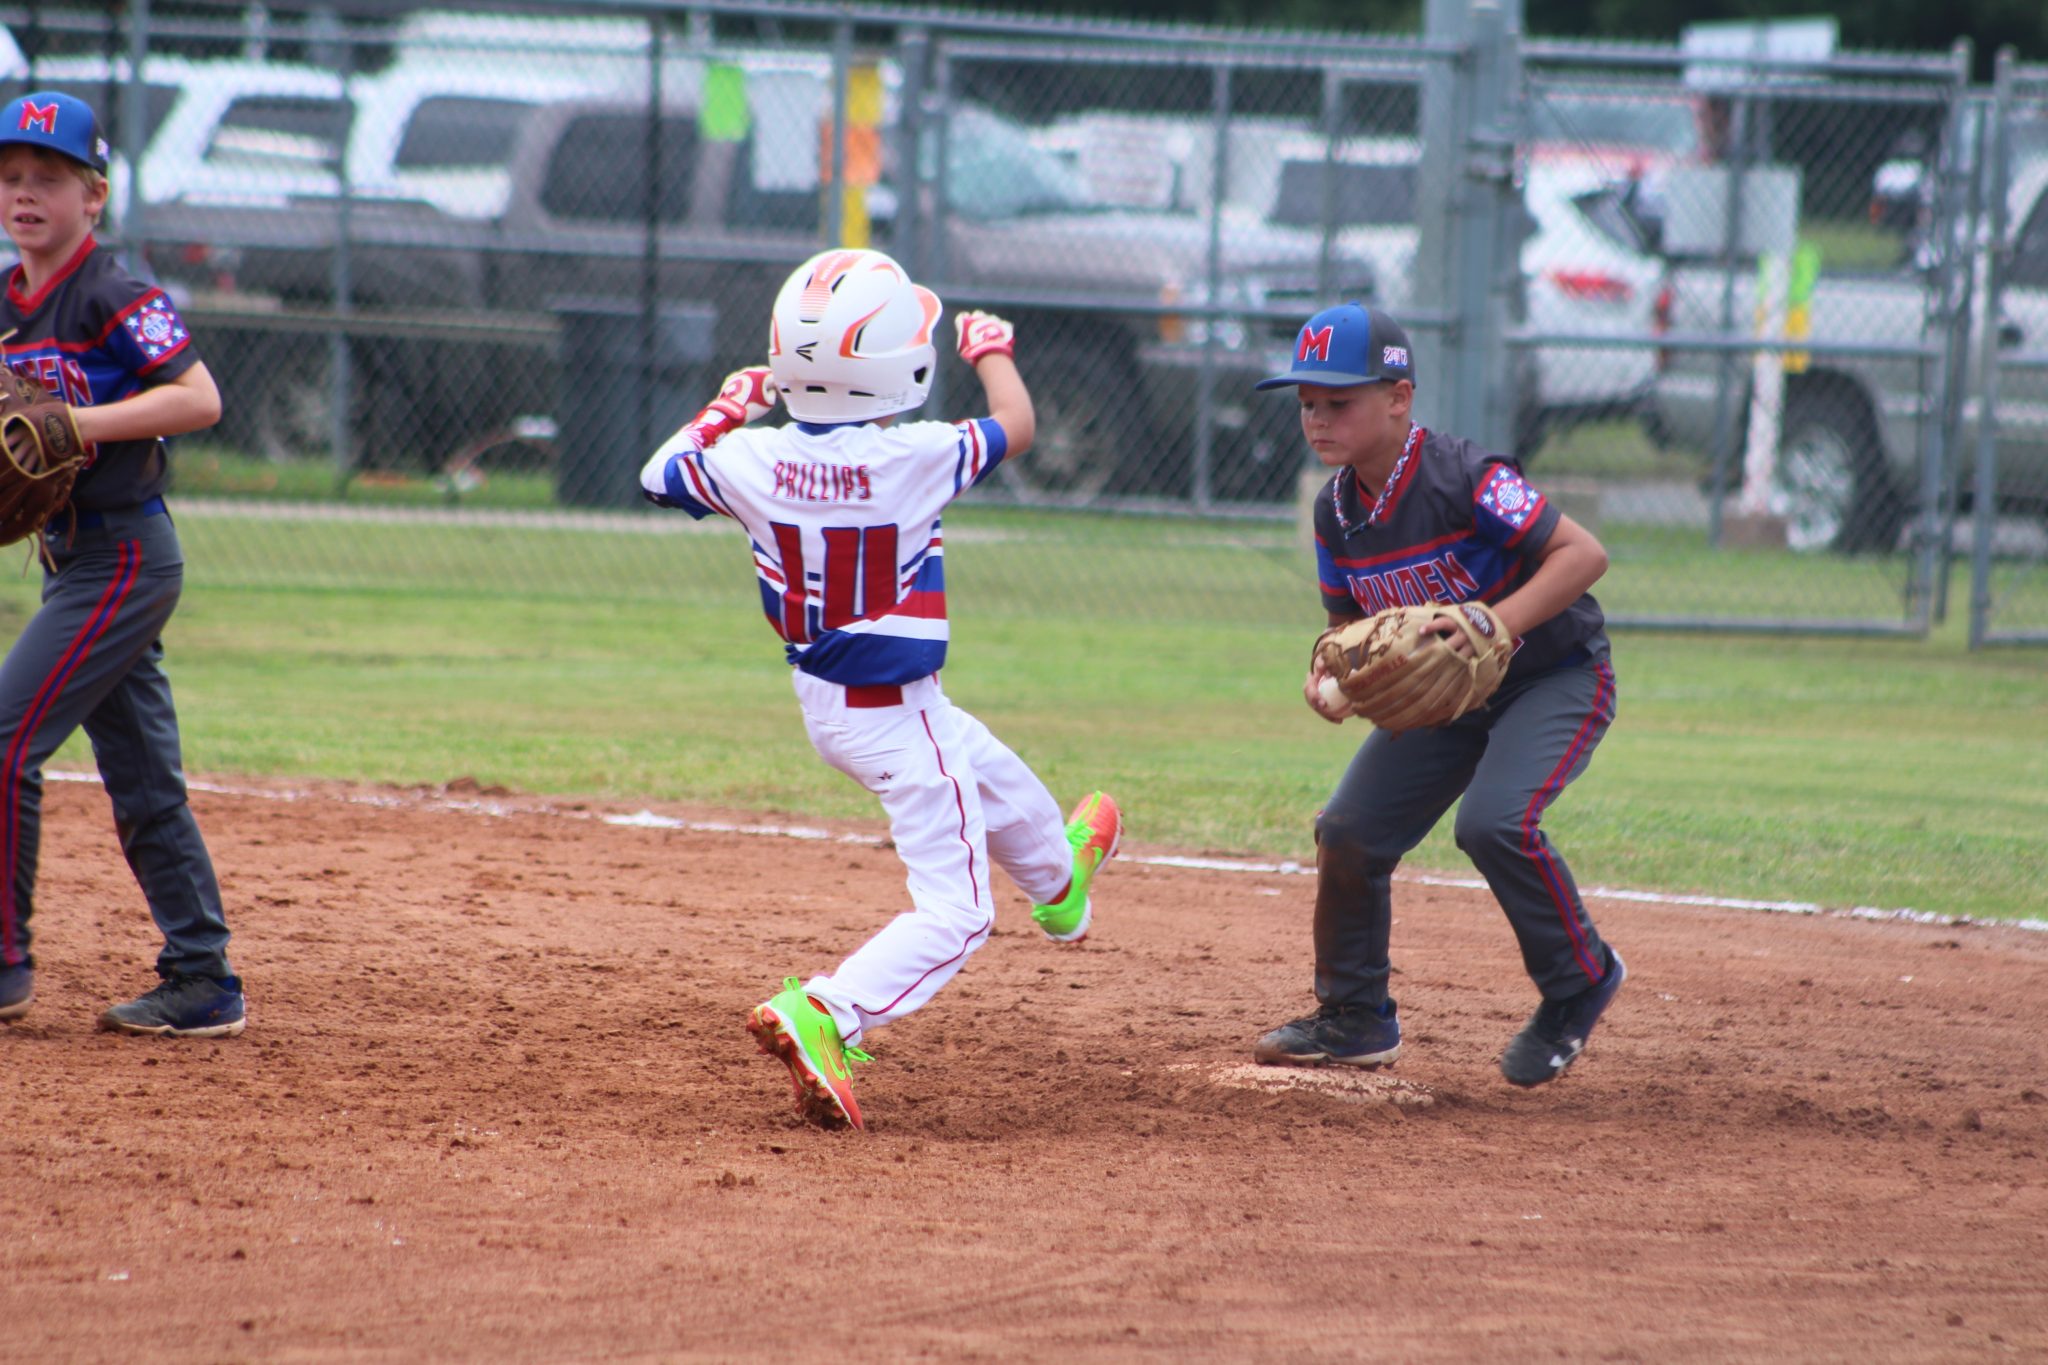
x: 458, y: 272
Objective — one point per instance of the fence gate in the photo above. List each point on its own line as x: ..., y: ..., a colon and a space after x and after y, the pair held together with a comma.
x: 1712, y: 266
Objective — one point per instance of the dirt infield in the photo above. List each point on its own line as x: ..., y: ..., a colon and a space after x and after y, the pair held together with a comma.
x: 495, y: 1103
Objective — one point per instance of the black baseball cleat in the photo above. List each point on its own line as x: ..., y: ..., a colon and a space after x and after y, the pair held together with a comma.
x: 182, y: 1007
x: 17, y: 990
x: 1556, y: 1033
x: 1355, y: 1035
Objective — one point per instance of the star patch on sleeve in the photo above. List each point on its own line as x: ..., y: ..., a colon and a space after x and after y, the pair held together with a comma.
x: 1508, y: 498
x: 156, y: 327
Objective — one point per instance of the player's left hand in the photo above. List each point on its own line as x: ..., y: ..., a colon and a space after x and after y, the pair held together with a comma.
x: 746, y: 395
x: 984, y: 334
x: 1447, y: 629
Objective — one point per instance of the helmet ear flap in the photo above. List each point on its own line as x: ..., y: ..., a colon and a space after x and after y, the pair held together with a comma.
x: 851, y: 338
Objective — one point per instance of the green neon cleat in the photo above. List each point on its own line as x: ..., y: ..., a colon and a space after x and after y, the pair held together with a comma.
x: 1094, y: 829
x: 794, y: 1027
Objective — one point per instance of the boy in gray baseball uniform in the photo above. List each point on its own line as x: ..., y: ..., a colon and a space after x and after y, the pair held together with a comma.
x: 1413, y: 516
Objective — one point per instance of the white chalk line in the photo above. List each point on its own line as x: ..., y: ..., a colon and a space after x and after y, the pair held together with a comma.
x: 646, y: 819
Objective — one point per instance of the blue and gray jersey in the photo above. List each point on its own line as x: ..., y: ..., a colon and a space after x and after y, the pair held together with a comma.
x: 1454, y: 522
x: 96, y: 334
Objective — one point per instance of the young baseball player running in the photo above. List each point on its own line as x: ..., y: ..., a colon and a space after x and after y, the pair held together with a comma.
x: 115, y: 349
x: 1409, y: 516
x: 842, y: 506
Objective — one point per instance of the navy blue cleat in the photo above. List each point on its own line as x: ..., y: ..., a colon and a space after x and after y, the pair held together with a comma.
x: 1354, y: 1035
x: 1556, y: 1033
x: 182, y: 1007
x: 17, y: 990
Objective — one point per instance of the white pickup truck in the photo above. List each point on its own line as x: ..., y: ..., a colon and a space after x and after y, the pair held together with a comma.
x: 1854, y: 427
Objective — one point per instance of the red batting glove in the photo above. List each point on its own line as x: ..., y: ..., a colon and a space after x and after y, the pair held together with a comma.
x: 984, y: 334
x: 745, y: 396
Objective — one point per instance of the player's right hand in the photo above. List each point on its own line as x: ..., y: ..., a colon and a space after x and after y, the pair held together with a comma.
x: 1314, y: 693
x: 984, y: 334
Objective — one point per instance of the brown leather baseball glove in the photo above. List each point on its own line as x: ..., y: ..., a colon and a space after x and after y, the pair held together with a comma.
x: 43, y: 456
x: 1401, y: 677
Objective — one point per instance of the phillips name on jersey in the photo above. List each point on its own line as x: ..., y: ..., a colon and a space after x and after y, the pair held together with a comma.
x: 846, y: 531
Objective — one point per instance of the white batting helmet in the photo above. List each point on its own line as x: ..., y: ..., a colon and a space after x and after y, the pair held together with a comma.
x: 851, y: 338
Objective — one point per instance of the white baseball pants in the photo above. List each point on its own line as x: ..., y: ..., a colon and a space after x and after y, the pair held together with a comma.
x: 956, y: 797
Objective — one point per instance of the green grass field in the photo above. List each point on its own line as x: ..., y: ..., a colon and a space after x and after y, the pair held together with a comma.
x: 1159, y: 658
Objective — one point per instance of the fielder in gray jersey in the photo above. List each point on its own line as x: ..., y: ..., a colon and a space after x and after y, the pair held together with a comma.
x: 1411, y: 516
x: 114, y: 348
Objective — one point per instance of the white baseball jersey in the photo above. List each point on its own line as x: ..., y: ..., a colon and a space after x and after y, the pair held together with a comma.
x: 845, y: 524
x: 844, y: 521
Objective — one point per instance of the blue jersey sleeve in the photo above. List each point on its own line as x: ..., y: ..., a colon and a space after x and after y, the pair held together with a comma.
x: 982, y: 446
x: 680, y: 476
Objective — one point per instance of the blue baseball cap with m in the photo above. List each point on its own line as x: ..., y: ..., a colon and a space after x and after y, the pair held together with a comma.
x: 60, y: 122
x: 1345, y: 345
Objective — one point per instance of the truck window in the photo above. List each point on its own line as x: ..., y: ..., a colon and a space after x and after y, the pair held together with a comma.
x: 1366, y: 195
x: 460, y: 130
x: 748, y: 205
x: 1608, y: 210
x: 2029, y: 267
x: 269, y: 131
x: 1616, y: 119
x: 599, y: 170
x: 995, y: 172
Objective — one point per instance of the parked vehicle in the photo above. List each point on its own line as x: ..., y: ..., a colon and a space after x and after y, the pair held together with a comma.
x: 444, y: 134
x: 1853, y: 430
x: 1623, y: 133
x: 735, y: 215
x: 213, y: 131
x: 1589, y: 273
x: 1586, y: 268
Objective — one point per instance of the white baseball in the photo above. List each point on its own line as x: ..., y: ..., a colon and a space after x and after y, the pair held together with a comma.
x: 1331, y: 694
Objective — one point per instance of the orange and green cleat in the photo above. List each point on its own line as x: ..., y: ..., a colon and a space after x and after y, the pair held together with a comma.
x: 794, y: 1027
x: 1094, y: 830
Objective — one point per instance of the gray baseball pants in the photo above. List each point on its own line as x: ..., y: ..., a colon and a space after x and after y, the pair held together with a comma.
x: 93, y: 656
x: 1509, y: 761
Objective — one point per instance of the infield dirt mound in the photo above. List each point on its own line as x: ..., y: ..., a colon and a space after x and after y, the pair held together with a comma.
x: 495, y: 1102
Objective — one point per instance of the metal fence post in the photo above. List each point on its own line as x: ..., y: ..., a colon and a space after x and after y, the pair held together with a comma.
x: 928, y: 184
x: 907, y: 233
x: 1437, y: 202
x: 1333, y: 95
x: 650, y: 241
x: 1993, y: 248
x: 340, y: 352
x: 1726, y: 408
x: 1205, y: 403
x: 1491, y: 231
x: 1960, y: 166
x: 134, y: 114
x: 835, y: 195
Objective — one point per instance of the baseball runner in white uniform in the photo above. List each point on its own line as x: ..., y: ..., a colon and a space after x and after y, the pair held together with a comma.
x: 843, y: 507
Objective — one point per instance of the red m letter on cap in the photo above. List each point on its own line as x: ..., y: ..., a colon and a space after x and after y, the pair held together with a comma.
x: 43, y: 116
x: 1315, y: 344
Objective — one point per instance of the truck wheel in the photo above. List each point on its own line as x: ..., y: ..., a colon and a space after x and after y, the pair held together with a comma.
x: 291, y: 408
x: 1083, y: 406
x: 1832, y: 485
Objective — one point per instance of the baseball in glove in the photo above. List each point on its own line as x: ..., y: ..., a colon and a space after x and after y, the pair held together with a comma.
x: 43, y: 456
x: 1400, y: 675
